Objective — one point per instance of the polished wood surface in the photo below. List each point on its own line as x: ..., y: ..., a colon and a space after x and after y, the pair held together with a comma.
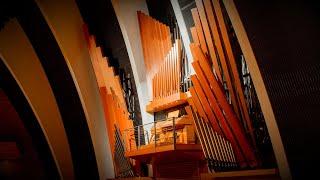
x: 215, y: 146
x: 156, y: 42
x: 233, y: 67
x: 212, y: 35
x: 115, y: 109
x: 217, y: 41
x: 194, y: 35
x: 170, y: 101
x: 163, y: 63
x: 212, y: 51
x: 199, y: 30
x: 213, y: 97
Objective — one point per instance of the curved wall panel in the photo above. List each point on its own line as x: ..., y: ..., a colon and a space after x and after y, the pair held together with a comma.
x: 20, y: 58
x: 66, y: 25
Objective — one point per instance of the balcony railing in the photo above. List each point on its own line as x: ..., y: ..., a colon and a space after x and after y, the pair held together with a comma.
x: 170, y: 131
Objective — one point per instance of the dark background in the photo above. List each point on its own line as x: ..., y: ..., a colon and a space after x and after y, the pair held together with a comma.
x: 285, y: 39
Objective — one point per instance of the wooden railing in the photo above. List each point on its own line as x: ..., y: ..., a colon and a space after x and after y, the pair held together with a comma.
x: 152, y: 137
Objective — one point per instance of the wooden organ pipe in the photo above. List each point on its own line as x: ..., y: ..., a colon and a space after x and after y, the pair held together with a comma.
x: 212, y: 52
x: 166, y: 80
x: 124, y: 168
x: 215, y: 147
x: 115, y: 109
x: 216, y: 39
x: 233, y: 67
x: 226, y: 117
x: 199, y: 133
x: 199, y: 30
x: 161, y: 82
x: 198, y: 105
x: 204, y: 101
x: 194, y: 35
x: 156, y: 43
x: 211, y: 33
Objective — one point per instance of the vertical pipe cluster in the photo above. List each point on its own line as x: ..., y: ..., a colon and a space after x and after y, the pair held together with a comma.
x: 163, y: 59
x: 115, y: 109
x: 166, y: 80
x: 217, y: 150
x: 156, y: 42
x: 123, y: 165
x: 211, y: 33
x: 217, y: 94
x: 209, y: 100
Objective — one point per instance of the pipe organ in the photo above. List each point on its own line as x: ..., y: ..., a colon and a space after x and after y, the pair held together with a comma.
x: 166, y: 81
x: 217, y: 150
x: 214, y: 27
x: 217, y: 95
x: 163, y: 59
x: 116, y: 113
x: 209, y: 100
x: 214, y: 103
x: 156, y: 42
x: 204, y: 122
x: 207, y: 118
